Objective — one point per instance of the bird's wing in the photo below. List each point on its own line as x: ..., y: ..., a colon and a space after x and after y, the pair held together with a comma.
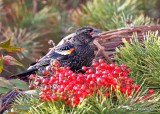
x: 59, y: 53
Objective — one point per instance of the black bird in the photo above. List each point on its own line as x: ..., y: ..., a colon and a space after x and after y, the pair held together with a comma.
x: 76, y: 52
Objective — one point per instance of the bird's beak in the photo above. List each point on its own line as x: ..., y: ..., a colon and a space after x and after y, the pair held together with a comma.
x: 95, y: 33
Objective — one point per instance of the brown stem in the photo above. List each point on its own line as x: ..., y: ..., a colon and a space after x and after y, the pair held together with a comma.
x: 102, y: 49
x: 34, y: 6
x: 0, y: 52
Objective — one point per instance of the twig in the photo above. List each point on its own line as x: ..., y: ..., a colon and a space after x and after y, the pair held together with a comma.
x: 112, y: 39
x: 102, y: 49
x: 34, y: 6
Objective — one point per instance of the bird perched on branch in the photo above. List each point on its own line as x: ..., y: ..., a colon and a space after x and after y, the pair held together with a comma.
x: 75, y: 53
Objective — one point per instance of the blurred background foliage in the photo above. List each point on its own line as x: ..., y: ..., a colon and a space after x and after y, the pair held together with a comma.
x: 32, y: 23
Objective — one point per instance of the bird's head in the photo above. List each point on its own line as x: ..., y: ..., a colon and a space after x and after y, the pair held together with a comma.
x: 85, y: 35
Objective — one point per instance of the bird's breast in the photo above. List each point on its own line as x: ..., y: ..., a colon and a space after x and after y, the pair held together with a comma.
x: 82, y: 56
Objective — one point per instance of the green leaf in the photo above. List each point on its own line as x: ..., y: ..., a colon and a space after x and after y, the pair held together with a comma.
x: 19, y: 84
x: 32, y: 92
x: 13, y: 49
x: 5, y: 83
x: 4, y: 90
x: 6, y: 43
x: 7, y: 46
x: 9, y: 60
x: 1, y: 64
x: 23, y: 107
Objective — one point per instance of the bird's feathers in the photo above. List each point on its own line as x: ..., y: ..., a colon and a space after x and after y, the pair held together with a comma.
x: 76, y: 52
x: 59, y: 53
x: 24, y: 73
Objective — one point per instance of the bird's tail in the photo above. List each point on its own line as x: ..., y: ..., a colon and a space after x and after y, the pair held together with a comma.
x: 24, y: 73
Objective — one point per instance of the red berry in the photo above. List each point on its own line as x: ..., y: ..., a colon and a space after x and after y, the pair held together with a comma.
x: 87, y: 91
x: 112, y: 66
x: 95, y: 64
x: 150, y: 91
x: 52, y: 80
x: 31, y: 87
x: 83, y: 87
x: 130, y: 80
x: 84, y: 68
x: 103, y: 65
x: 31, y: 76
x: 107, y: 94
x: 128, y: 70
x: 136, y: 87
x: 145, y: 97
x: 101, y: 61
x: 74, y: 100
x: 45, y: 81
x: 124, y: 74
x: 38, y: 80
x: 90, y: 71
x: 54, y: 97
x: 41, y: 94
x: 123, y: 65
x: 55, y: 89
x: 46, y: 88
x: 66, y: 102
x: 68, y: 68
x: 117, y: 68
x: 55, y: 63
x: 71, y: 87
x: 45, y: 72
x: 128, y: 92
x: 94, y: 76
x: 49, y: 92
x: 139, y: 99
x: 98, y: 68
x: 74, y: 75
x: 92, y: 83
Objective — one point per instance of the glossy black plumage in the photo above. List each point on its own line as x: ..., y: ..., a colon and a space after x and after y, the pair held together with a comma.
x: 76, y: 52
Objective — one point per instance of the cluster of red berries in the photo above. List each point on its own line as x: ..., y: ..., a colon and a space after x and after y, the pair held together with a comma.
x: 62, y: 83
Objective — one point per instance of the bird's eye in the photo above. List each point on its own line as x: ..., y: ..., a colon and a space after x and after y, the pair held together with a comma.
x: 88, y: 31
